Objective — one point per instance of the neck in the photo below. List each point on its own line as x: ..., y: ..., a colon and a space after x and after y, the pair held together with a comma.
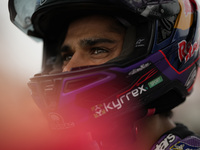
x: 142, y: 136
x: 150, y: 129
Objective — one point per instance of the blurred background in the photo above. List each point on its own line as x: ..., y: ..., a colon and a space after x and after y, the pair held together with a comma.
x: 21, y: 122
x: 20, y: 58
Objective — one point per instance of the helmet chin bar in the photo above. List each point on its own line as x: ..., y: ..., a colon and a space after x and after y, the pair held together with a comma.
x: 91, y: 101
x: 93, y: 94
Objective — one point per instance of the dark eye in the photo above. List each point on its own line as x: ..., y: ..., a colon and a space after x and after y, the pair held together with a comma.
x: 98, y: 50
x: 66, y: 57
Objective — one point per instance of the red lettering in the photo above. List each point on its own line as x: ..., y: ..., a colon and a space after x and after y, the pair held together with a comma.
x: 189, y: 52
x: 188, y: 8
x: 181, y: 50
x: 186, y: 51
x: 195, y: 47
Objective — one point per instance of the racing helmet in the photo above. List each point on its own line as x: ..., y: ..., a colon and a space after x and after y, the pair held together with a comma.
x: 155, y: 72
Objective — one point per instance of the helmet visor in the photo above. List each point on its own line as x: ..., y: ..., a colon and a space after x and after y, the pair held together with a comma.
x: 21, y: 12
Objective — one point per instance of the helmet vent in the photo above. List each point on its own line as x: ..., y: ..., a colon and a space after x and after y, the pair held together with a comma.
x: 81, y: 83
x: 165, y: 28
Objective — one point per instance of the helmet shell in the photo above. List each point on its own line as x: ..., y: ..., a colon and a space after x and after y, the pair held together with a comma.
x: 156, y: 76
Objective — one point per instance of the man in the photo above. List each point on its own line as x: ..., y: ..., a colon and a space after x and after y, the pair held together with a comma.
x: 113, y: 70
x: 99, y: 40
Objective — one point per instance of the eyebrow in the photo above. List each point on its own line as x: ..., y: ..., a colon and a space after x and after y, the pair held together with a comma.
x: 87, y: 42
x: 94, y: 41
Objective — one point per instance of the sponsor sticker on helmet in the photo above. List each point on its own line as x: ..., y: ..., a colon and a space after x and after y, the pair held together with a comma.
x: 186, y: 15
x: 165, y: 142
x: 155, y: 82
x: 191, y: 78
x: 140, y: 43
x: 142, y: 67
x: 188, y: 9
x: 135, y: 91
x: 99, y: 110
x: 104, y: 108
x: 183, y: 146
x: 187, y: 50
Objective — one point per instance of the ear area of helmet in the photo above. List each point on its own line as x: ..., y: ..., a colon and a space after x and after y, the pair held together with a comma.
x: 137, y: 44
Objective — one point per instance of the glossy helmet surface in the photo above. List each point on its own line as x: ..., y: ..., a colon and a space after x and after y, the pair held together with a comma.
x: 154, y: 73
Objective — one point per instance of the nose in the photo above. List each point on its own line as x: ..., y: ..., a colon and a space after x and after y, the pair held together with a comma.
x: 77, y: 60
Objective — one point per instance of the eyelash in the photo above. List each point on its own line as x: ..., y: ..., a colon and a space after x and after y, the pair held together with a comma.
x: 66, y: 57
x: 98, y: 50
x: 93, y: 51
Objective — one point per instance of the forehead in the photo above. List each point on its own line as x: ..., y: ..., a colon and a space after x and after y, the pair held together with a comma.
x: 91, y: 28
x: 94, y: 23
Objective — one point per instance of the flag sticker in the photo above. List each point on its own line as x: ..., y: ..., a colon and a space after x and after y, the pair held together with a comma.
x: 155, y: 82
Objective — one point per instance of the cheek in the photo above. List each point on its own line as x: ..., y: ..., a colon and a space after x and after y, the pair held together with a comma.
x: 97, y: 61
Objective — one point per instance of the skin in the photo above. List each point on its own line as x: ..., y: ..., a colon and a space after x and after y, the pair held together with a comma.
x: 93, y: 40
x: 150, y: 129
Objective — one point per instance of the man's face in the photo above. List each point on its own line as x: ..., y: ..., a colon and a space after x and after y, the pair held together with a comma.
x: 91, y: 40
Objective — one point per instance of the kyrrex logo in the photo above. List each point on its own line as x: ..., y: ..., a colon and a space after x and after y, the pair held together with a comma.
x: 121, y: 100
x: 101, y: 109
x: 136, y: 90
